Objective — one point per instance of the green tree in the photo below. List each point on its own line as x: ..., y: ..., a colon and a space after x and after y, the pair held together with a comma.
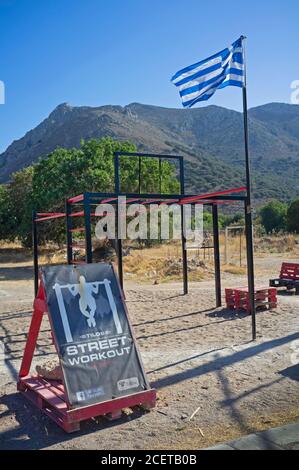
x: 6, y: 229
x: 293, y: 216
x: 68, y: 172
x: 273, y: 216
x: 18, y: 207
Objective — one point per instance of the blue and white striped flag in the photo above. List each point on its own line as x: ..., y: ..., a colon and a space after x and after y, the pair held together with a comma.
x: 199, y: 81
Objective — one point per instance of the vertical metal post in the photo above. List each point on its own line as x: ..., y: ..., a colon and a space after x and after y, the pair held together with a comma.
x: 250, y: 264
x: 139, y: 175
x: 216, y: 255
x: 160, y: 176
x: 119, y: 251
x: 225, y: 245
x: 184, y: 251
x: 240, y: 245
x: 248, y: 207
x: 69, y: 235
x: 35, y: 252
x: 87, y: 222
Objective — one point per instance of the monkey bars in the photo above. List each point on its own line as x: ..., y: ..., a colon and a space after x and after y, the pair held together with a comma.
x: 81, y: 205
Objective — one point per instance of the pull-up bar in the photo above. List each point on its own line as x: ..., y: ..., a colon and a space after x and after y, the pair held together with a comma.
x: 89, y: 199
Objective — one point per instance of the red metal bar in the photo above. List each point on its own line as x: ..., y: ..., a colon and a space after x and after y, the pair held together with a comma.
x: 76, y: 198
x: 46, y: 214
x: 79, y: 229
x: 77, y: 214
x: 185, y: 200
x: 57, y: 216
x: 109, y: 199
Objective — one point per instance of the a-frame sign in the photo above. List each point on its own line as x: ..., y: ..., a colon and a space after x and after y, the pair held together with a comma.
x: 100, y: 362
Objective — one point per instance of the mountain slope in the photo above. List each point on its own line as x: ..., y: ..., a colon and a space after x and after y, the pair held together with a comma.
x: 210, y: 138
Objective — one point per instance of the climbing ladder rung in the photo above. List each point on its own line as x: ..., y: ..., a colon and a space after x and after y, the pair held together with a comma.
x: 80, y: 229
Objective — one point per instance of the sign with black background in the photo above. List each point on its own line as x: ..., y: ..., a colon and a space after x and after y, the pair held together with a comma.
x: 96, y: 348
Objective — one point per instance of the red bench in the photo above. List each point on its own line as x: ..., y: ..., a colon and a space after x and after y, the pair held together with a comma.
x: 288, y: 277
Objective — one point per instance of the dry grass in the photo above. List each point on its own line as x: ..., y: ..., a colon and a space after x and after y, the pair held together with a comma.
x: 14, y: 252
x: 164, y: 262
x: 233, y: 269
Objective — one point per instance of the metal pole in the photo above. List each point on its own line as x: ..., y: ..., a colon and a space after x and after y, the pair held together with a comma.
x: 119, y: 251
x: 216, y: 255
x: 160, y: 176
x: 87, y: 221
x: 248, y: 208
x: 69, y: 235
x: 119, y: 248
x: 184, y: 251
x: 225, y: 245
x: 35, y: 252
x: 240, y: 245
x: 139, y: 178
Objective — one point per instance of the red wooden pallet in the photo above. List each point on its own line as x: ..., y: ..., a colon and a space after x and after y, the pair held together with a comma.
x: 50, y: 395
x: 238, y: 298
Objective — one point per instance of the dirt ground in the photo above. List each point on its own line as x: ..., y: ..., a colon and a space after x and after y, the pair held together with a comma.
x: 197, y: 357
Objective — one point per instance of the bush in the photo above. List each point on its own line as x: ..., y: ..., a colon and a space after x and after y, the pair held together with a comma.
x: 293, y: 217
x: 273, y: 216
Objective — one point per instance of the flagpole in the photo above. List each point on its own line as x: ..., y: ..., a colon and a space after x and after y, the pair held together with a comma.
x: 248, y: 206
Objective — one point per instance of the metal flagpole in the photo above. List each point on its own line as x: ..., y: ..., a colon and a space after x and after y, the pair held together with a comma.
x: 248, y: 206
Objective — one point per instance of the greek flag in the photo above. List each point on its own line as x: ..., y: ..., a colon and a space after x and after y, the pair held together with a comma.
x: 199, y: 81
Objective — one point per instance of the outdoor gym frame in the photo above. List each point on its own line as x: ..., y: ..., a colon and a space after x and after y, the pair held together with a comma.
x: 87, y: 200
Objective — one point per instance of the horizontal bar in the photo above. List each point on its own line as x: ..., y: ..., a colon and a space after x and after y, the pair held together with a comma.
x: 79, y: 229
x: 150, y: 155
x: 211, y: 195
x: 183, y: 199
x: 76, y: 214
x: 48, y: 214
x: 230, y: 198
x: 50, y: 217
x: 78, y: 198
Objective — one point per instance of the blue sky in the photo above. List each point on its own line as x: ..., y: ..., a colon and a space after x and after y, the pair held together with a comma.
x: 96, y: 52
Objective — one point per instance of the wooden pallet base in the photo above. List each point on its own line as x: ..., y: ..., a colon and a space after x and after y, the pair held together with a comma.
x: 49, y: 396
x: 238, y: 298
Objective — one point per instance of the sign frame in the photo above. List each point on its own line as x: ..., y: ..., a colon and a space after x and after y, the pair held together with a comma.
x: 52, y: 397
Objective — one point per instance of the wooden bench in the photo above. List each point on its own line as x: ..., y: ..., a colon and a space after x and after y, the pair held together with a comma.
x: 288, y: 277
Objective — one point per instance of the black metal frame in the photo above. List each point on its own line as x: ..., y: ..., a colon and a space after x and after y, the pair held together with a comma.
x: 89, y: 199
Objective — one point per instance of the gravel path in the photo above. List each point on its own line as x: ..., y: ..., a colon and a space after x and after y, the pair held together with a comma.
x: 198, y: 357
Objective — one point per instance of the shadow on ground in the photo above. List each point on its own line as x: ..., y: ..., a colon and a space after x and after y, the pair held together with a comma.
x: 35, y: 431
x: 22, y: 273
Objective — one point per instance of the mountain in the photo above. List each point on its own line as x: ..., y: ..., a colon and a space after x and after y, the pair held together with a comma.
x: 210, y: 139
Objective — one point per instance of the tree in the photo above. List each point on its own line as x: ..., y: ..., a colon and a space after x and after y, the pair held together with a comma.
x: 293, y: 216
x: 67, y: 172
x: 273, y: 216
x: 6, y: 232
x: 18, y: 207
